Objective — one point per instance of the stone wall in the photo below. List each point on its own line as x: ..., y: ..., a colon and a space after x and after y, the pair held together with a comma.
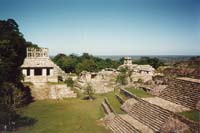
x: 49, y: 91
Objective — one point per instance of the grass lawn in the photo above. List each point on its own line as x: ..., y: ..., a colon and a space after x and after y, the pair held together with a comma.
x: 139, y: 93
x: 65, y: 116
x: 192, y: 115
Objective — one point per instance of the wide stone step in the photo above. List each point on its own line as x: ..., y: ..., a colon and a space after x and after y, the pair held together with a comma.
x: 155, y: 107
x: 151, y: 113
x: 126, y: 126
x: 184, y: 103
x: 175, y: 90
x: 145, y: 122
x: 150, y: 118
x: 181, y: 98
x: 181, y: 91
x: 118, y: 125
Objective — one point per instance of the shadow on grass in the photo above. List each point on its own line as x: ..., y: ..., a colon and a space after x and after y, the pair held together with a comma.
x: 24, y: 121
x: 15, y: 122
x: 90, y: 98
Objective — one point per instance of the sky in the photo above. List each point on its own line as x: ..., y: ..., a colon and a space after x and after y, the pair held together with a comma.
x: 109, y: 27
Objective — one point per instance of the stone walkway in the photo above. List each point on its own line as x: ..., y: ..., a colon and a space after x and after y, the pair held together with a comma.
x: 141, y: 127
x: 166, y: 104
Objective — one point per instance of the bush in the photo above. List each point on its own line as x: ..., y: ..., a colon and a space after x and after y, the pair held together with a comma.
x: 69, y: 82
x: 89, y: 92
x: 122, y: 79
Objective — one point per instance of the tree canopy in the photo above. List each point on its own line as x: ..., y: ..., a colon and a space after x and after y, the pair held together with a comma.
x: 12, y: 53
x: 154, y: 62
x: 87, y: 62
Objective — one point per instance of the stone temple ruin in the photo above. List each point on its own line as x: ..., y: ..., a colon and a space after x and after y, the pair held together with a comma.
x: 40, y: 70
x: 144, y: 72
x: 102, y: 82
x: 38, y: 67
x: 156, y: 114
x: 105, y: 80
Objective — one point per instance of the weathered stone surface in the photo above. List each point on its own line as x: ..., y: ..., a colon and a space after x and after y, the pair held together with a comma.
x: 60, y: 92
x: 138, y: 125
x: 183, y: 92
x: 166, y: 104
x: 101, y: 82
x: 128, y: 104
x: 46, y: 91
x: 139, y: 72
x: 174, y: 125
x: 198, y: 105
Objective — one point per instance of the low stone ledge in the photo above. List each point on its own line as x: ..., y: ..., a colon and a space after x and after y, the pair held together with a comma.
x: 128, y: 94
x: 194, y: 126
x: 120, y: 99
x: 109, y: 105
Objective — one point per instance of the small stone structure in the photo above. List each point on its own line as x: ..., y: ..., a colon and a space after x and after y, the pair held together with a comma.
x: 38, y: 67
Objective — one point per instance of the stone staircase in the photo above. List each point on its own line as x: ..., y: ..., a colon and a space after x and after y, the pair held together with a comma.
x: 119, y: 125
x: 149, y: 114
x: 115, y: 122
x: 182, y: 92
x: 146, y: 117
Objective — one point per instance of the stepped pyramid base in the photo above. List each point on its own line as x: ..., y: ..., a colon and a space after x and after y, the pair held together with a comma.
x: 45, y: 91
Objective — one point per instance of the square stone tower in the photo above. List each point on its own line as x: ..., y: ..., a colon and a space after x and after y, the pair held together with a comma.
x: 38, y: 67
x: 127, y: 61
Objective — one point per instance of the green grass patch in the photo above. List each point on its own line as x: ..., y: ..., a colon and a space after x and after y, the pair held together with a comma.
x: 56, y: 83
x: 27, y: 83
x: 114, y: 102
x: 139, y: 93
x: 193, y: 115
x: 65, y: 116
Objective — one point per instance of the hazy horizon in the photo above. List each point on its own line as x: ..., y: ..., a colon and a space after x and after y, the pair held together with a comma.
x: 109, y: 27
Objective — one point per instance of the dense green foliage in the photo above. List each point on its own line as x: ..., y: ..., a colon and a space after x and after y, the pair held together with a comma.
x: 187, y: 68
x: 154, y: 62
x: 122, y: 77
x: 69, y: 82
x: 12, y: 92
x: 76, y: 64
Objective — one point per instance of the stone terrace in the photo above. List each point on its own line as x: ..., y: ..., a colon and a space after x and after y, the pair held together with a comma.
x: 183, y: 92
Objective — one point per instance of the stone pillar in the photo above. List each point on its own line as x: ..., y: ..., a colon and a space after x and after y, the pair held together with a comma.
x: 44, y: 72
x: 32, y: 72
x: 51, y: 72
x: 24, y: 71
